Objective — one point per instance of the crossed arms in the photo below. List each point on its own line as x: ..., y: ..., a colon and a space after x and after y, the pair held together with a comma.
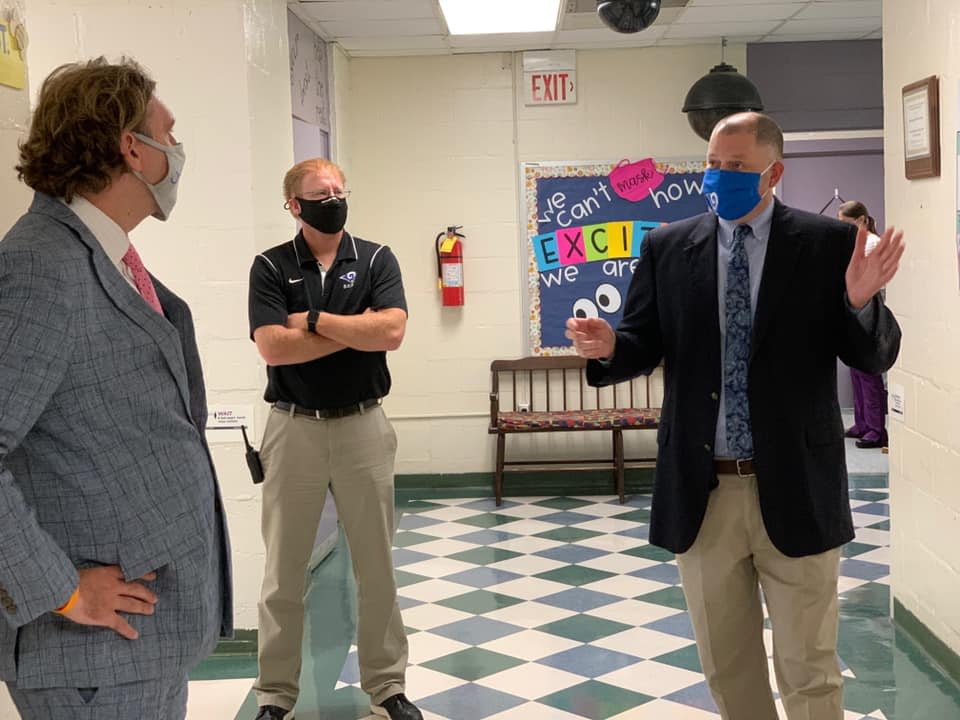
x: 372, y: 331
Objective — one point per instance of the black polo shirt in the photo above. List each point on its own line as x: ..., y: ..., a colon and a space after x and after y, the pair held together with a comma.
x: 364, y: 275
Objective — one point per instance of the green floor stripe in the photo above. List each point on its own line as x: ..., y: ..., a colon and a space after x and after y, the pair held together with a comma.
x: 939, y: 652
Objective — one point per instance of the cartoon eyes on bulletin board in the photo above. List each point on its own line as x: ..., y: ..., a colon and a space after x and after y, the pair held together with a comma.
x: 607, y: 299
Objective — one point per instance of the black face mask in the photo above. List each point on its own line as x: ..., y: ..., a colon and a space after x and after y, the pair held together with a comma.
x: 327, y: 216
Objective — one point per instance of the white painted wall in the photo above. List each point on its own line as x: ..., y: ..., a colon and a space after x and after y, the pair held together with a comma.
x: 922, y: 38
x: 428, y: 142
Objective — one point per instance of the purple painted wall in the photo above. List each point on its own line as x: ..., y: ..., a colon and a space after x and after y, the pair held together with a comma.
x: 813, y: 169
x: 834, y: 85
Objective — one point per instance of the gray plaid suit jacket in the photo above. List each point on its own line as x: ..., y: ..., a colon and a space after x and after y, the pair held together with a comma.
x: 103, y: 461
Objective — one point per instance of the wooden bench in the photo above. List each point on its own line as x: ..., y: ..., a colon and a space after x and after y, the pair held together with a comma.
x: 550, y: 394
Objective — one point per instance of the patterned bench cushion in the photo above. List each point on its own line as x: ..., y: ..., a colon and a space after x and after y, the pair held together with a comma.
x: 605, y: 419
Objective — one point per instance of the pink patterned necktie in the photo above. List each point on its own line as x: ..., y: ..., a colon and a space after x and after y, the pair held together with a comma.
x: 141, y: 278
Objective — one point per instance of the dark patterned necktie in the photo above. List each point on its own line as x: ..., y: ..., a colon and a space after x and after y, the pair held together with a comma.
x: 737, y: 355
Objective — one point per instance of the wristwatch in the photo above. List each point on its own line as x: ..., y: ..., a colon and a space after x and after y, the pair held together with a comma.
x: 312, y: 321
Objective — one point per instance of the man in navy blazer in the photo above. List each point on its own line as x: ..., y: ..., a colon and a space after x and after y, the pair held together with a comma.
x: 114, y: 569
x: 748, y: 307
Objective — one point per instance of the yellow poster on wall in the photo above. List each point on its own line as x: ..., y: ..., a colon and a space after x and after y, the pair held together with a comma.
x: 13, y: 69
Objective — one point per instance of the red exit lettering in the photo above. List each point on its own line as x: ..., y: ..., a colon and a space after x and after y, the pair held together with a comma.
x: 549, y: 87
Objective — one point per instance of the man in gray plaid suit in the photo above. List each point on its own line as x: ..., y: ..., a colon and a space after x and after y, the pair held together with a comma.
x: 114, y: 559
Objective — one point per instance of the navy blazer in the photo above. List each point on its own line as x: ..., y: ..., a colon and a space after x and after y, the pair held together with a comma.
x: 103, y: 461
x: 802, y: 325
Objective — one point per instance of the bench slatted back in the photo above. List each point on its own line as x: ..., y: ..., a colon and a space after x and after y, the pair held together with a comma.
x: 538, y: 388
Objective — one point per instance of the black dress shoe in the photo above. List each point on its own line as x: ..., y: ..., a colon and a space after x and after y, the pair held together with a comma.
x: 869, y: 444
x: 398, y: 708
x: 271, y: 712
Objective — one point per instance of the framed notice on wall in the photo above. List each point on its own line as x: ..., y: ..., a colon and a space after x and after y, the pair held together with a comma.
x: 584, y: 230
x: 921, y: 129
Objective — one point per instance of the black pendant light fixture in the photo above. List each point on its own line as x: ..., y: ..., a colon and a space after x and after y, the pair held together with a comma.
x: 721, y: 92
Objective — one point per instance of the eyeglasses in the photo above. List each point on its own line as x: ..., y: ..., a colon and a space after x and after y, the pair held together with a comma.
x: 325, y: 196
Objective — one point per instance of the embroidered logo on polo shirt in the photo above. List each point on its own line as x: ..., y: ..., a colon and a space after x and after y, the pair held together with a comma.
x: 348, y: 279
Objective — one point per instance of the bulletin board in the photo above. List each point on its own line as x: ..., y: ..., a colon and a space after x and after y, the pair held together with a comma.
x: 585, y: 226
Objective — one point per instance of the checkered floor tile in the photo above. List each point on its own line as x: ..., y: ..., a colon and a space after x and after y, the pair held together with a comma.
x: 557, y: 607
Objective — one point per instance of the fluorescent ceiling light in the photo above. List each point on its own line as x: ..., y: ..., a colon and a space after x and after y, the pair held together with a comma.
x: 482, y: 17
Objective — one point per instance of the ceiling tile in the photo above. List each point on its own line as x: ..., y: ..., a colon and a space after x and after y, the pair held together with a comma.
x: 714, y: 3
x: 603, y: 35
x: 427, y: 42
x: 720, y: 29
x: 411, y: 27
x: 734, y: 40
x: 669, y: 15
x: 840, y: 25
x: 813, y: 37
x: 583, y: 21
x: 415, y: 52
x: 493, y: 42
x: 721, y: 13
x: 842, y: 9
x: 382, y: 28
x: 362, y: 9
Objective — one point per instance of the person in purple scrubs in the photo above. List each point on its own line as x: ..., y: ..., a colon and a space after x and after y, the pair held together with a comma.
x: 869, y: 394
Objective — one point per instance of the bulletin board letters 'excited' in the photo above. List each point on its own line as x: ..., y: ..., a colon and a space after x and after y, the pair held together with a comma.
x: 585, y: 230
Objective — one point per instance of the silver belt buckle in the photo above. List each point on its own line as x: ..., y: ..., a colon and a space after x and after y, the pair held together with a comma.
x: 740, y: 472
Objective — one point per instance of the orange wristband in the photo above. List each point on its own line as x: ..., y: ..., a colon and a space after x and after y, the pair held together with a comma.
x: 70, y: 603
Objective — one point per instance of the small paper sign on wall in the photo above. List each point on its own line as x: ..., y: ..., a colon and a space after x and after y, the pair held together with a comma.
x: 224, y: 418
x: 896, y: 402
x: 550, y: 77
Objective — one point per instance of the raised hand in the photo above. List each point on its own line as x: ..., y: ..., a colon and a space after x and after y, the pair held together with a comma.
x: 868, y: 274
x: 104, y: 594
x: 592, y: 337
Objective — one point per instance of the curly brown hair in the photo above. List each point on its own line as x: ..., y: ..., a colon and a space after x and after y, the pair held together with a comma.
x: 73, y: 146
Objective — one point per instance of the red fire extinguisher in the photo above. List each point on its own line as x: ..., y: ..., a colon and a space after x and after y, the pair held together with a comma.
x: 450, y: 265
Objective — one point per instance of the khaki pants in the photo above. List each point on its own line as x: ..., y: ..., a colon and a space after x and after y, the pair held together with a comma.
x: 301, y: 457
x: 721, y: 572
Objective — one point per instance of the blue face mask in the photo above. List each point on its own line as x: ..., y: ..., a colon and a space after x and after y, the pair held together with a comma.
x: 732, y: 194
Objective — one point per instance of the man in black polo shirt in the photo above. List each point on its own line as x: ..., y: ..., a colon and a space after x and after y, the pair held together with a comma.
x: 324, y: 309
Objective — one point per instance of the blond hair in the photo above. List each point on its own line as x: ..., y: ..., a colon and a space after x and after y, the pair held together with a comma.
x: 293, y: 180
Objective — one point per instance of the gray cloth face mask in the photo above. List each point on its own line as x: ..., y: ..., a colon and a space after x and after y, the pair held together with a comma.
x: 165, y: 191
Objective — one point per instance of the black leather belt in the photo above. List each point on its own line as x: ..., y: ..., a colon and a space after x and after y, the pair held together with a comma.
x: 329, y: 412
x: 734, y: 467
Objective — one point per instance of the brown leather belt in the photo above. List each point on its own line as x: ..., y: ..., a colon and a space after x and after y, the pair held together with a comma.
x: 734, y: 467
x: 329, y: 412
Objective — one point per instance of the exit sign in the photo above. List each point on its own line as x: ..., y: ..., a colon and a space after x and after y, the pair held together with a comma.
x: 550, y: 77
